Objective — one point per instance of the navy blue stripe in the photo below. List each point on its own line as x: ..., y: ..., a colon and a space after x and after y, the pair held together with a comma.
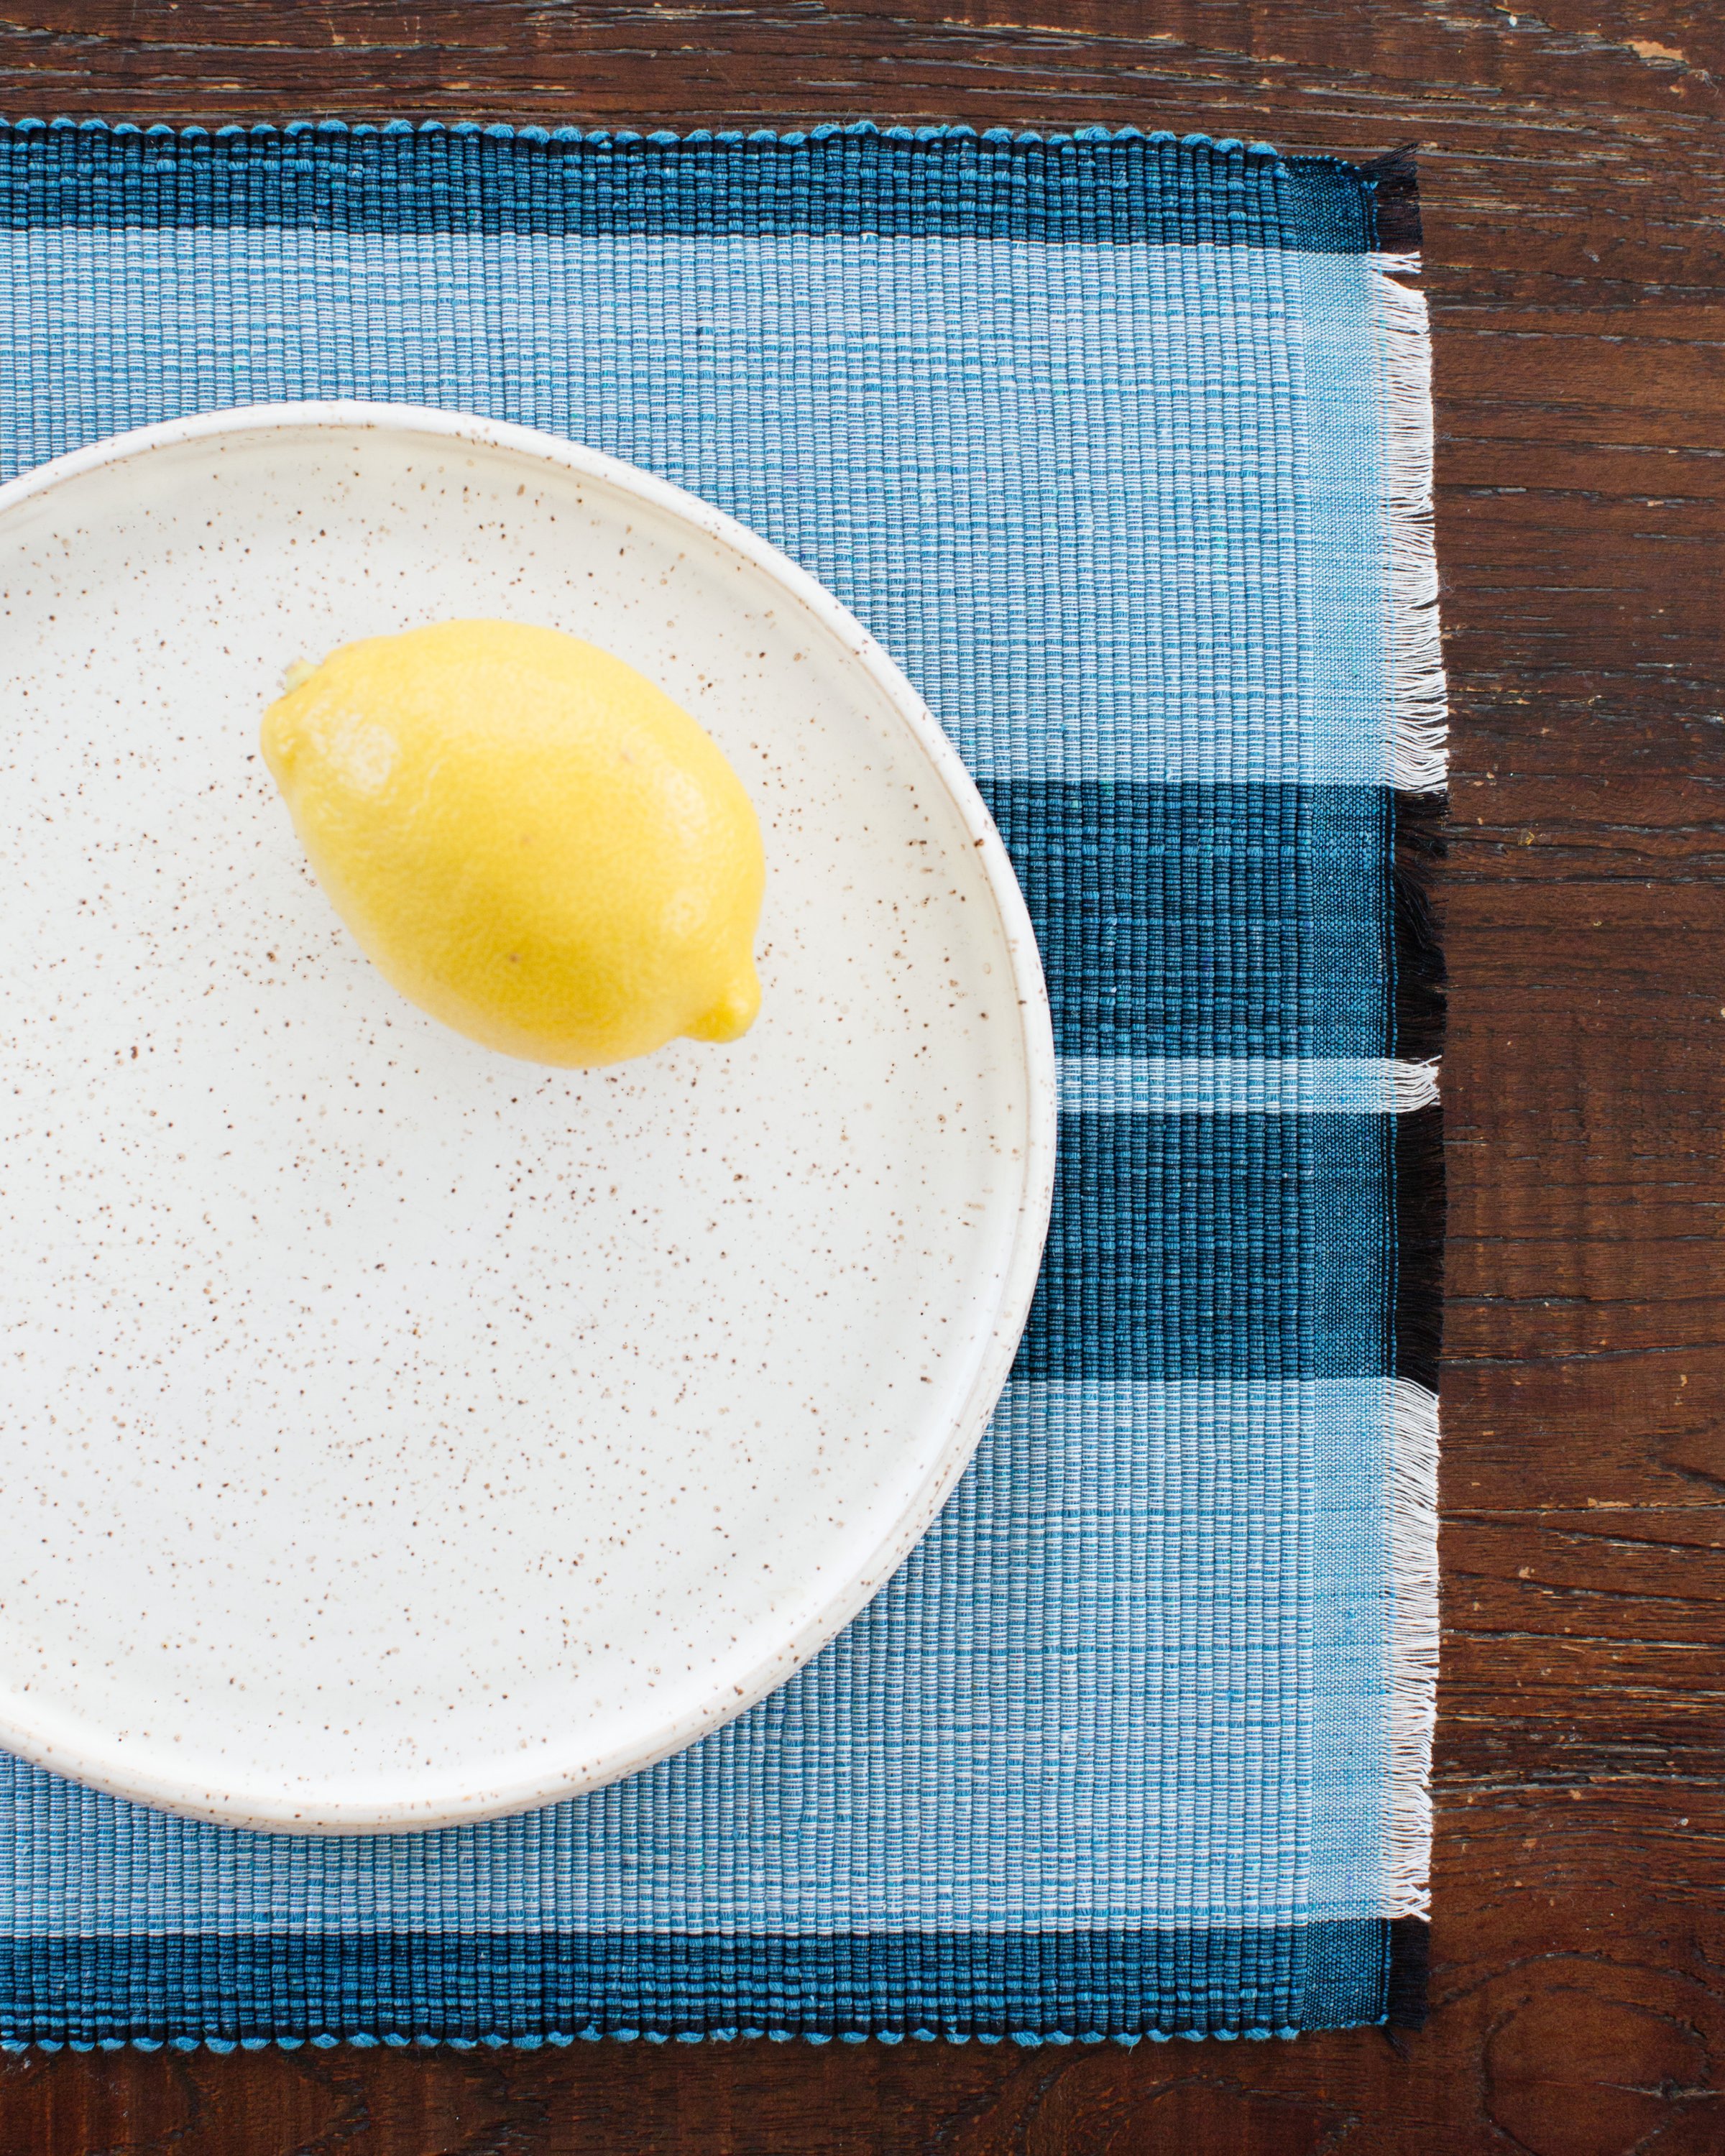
x: 1202, y: 919
x: 474, y: 1985
x: 1130, y: 188
x: 1216, y: 1246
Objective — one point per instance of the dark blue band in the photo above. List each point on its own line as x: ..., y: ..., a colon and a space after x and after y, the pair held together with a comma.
x: 1096, y: 188
x: 470, y: 1986
x: 1207, y: 920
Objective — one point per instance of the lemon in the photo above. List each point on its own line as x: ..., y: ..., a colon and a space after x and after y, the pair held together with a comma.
x: 528, y: 839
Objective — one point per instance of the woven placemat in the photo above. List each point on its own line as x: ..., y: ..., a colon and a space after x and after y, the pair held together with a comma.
x: 1120, y: 445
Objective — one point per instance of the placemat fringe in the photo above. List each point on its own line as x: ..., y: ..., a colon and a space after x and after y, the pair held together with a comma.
x: 1414, y: 1643
x: 1417, y: 857
x: 1418, y: 693
x: 1413, y: 1086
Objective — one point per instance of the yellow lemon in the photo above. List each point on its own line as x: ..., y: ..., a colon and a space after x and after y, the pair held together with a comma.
x: 528, y: 838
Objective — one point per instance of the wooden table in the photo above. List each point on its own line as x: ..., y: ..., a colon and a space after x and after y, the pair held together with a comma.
x: 1573, y: 168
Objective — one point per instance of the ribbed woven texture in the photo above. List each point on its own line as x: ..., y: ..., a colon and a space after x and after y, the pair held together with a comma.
x: 1092, y: 434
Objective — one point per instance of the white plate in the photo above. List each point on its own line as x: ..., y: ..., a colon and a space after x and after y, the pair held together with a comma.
x: 395, y: 1433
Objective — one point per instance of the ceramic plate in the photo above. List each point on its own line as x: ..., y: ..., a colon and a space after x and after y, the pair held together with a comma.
x: 396, y: 1434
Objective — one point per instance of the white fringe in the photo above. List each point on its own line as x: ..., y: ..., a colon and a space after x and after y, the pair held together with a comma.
x: 1420, y: 705
x: 1414, y: 1643
x: 1413, y: 1086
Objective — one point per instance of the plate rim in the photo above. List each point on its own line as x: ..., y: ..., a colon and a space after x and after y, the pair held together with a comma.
x: 255, y: 1809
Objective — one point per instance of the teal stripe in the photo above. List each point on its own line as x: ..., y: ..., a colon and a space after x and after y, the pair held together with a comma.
x: 1108, y: 187
x: 473, y: 1987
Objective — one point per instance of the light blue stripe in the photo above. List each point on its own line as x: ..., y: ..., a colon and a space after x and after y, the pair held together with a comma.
x: 1237, y: 1085
x: 897, y: 413
x: 1083, y: 1712
x: 1348, y: 1699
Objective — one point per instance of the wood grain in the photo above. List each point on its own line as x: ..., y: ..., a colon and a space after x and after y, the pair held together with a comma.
x: 1574, y: 191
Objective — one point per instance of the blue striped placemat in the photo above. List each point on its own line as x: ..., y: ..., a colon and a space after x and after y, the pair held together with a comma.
x: 1120, y: 445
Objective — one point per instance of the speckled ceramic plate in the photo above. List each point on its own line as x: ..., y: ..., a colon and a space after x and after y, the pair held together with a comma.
x: 395, y: 1433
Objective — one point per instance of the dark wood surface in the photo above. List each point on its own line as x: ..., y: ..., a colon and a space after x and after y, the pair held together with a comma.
x: 1572, y: 167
